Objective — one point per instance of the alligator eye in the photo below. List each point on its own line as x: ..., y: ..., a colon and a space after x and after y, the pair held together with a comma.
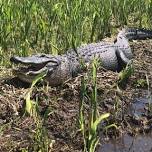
x: 42, y: 55
x: 115, y: 40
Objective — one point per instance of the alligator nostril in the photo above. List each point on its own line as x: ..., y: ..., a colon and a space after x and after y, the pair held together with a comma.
x: 14, y: 60
x: 115, y: 40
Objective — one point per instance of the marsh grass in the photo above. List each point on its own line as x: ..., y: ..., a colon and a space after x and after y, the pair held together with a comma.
x: 31, y: 107
x: 53, y: 26
x: 90, y: 121
x: 41, y: 139
x: 125, y: 74
x: 149, y: 95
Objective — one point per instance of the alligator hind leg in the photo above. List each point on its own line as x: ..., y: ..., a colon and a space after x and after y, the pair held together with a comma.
x: 122, y: 60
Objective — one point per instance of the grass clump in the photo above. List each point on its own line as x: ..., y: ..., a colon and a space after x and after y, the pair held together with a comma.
x: 41, y: 140
x: 89, y: 127
x: 31, y: 107
x: 125, y: 74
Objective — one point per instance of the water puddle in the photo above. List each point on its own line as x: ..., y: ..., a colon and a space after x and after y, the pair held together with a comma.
x: 138, y: 112
x: 140, y: 107
x: 126, y: 143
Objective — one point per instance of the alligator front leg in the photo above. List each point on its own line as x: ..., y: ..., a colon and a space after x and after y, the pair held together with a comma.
x: 121, y: 55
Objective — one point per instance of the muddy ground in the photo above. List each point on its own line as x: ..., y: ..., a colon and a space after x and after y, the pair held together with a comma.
x: 19, y: 131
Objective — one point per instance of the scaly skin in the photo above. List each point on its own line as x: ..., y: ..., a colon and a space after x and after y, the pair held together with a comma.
x: 62, y: 67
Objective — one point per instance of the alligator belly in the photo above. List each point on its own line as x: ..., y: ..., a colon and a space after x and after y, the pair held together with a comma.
x: 109, y: 60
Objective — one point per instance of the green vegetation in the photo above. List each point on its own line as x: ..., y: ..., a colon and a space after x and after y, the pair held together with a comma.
x: 89, y: 121
x: 53, y: 26
x: 41, y: 139
x: 125, y: 74
x: 31, y: 107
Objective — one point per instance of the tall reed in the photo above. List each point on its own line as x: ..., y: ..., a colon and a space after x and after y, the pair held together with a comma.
x: 90, y: 120
x: 40, y: 138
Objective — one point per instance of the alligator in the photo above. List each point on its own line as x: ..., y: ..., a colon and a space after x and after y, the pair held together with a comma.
x: 59, y: 68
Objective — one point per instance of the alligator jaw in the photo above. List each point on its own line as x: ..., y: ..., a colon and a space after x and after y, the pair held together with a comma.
x: 28, y: 73
x: 29, y: 67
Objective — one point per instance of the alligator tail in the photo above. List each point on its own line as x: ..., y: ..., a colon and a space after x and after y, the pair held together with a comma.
x: 138, y: 34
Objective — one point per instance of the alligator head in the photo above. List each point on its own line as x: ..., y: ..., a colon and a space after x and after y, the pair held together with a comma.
x: 57, y: 68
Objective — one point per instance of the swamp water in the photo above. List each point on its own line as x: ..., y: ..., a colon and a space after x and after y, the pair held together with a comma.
x: 126, y: 143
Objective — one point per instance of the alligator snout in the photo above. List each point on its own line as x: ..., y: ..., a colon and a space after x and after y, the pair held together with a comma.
x: 29, y: 67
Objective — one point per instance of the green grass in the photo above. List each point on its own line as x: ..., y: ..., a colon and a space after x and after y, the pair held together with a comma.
x: 53, y: 26
x: 31, y: 107
x: 90, y: 120
x: 125, y: 74
x: 41, y: 138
